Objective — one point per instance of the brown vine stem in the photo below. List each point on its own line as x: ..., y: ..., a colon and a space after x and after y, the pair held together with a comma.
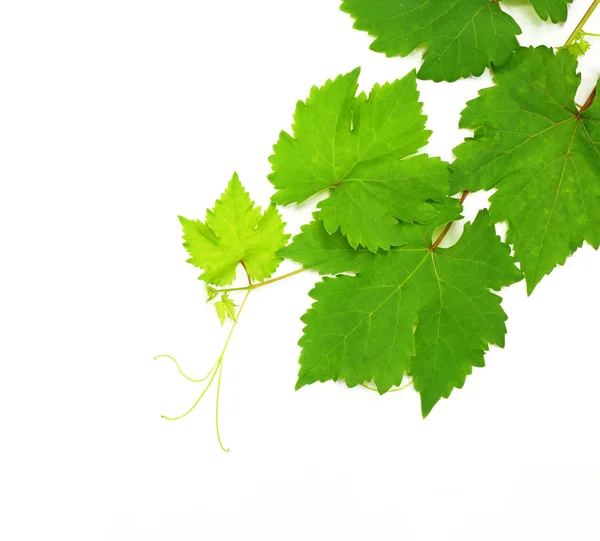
x: 588, y: 102
x: 247, y: 274
x: 449, y: 225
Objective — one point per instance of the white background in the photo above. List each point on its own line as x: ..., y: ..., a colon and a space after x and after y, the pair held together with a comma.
x: 117, y: 116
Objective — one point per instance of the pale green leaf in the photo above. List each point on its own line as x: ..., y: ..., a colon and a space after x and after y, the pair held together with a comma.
x: 211, y: 293
x: 235, y: 232
x: 225, y: 308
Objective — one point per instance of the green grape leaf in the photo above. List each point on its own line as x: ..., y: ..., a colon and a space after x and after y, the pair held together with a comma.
x: 225, y: 308
x: 541, y: 154
x: 555, y: 10
x: 462, y: 37
x: 411, y: 310
x: 235, y: 232
x: 356, y: 149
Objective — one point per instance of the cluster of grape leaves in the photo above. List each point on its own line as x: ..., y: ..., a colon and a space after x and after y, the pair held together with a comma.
x: 461, y: 37
x: 410, y: 310
x: 407, y: 308
x: 391, y: 302
x: 541, y: 154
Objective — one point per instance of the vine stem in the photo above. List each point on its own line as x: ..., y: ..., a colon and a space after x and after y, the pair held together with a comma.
x: 391, y: 390
x: 581, y: 24
x: 260, y: 284
x: 588, y: 102
x: 449, y: 225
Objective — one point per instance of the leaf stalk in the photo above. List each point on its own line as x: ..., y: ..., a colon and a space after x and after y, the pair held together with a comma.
x: 588, y: 102
x: 581, y: 24
x: 261, y: 284
x: 448, y: 225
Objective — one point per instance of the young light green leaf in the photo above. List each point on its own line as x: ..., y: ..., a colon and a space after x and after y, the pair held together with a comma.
x: 211, y: 293
x: 235, y: 232
x: 579, y: 46
x: 225, y: 308
x: 541, y: 154
x: 356, y: 149
x: 462, y: 37
x: 362, y: 328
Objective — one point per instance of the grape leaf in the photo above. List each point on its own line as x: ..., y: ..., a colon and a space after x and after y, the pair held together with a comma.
x: 428, y: 313
x: 356, y: 149
x: 225, y: 308
x: 235, y: 232
x: 556, y: 10
x: 462, y: 37
x: 543, y: 156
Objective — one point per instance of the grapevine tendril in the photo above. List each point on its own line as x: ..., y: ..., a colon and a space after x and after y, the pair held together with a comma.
x: 183, y: 373
x: 217, y: 369
x: 214, y: 372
